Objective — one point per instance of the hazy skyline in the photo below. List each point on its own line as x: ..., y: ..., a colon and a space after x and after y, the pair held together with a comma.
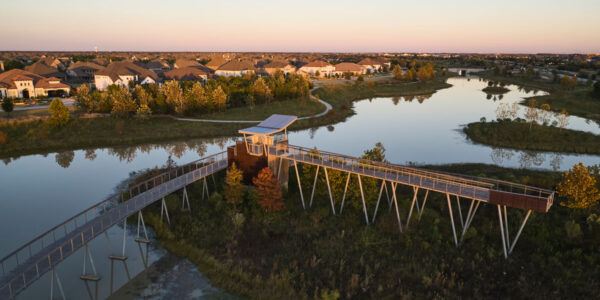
x: 509, y: 26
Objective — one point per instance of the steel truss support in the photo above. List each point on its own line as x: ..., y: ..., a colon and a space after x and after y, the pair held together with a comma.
x: 395, y: 200
x: 88, y: 254
x: 329, y: 190
x: 423, y: 206
x: 299, y: 184
x: 345, y: 190
x: 142, y: 255
x: 312, y: 195
x: 412, y: 205
x: 205, y: 189
x: 469, y: 218
x: 452, y: 219
x: 164, y: 210
x: 60, y: 287
x: 185, y: 200
x: 383, y: 185
x: 362, y: 195
x: 143, y: 224
x: 507, y: 246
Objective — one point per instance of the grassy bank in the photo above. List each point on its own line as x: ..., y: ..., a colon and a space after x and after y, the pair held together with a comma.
x: 577, y: 101
x: 310, y: 253
x: 36, y: 137
x: 518, y: 135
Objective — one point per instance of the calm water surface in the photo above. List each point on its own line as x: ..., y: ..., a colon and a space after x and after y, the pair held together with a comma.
x: 40, y: 191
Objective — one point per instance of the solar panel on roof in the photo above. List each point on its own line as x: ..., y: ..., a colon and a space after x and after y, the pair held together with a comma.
x: 278, y: 121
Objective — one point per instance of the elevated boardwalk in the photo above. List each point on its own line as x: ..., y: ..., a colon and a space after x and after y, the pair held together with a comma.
x: 28, y: 263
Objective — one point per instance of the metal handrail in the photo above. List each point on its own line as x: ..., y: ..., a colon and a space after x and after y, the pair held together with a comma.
x: 111, y: 200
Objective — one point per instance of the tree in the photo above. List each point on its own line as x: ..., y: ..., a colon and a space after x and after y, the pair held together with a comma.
x: 268, y: 190
x: 317, y: 74
x: 65, y: 158
x: 84, y: 98
x: 562, y: 118
x: 219, y: 98
x: 234, y: 189
x: 59, y: 113
x: 532, y: 113
x: 545, y: 114
x: 8, y: 105
x: 578, y: 186
x: 173, y: 96
x: 261, y: 90
x: 123, y: 104
x: 143, y: 112
x: 142, y: 96
x: 195, y: 98
x: 397, y: 72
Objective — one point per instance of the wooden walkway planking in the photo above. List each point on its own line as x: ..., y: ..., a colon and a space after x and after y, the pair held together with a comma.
x: 32, y: 268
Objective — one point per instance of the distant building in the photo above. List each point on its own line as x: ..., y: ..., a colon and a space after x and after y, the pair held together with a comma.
x: 370, y: 64
x: 216, y: 62
x: 157, y: 66
x: 274, y: 66
x: 83, y: 71
x: 187, y: 73
x: 319, y: 66
x: 355, y: 69
x: 18, y: 83
x: 122, y: 73
x: 235, y: 68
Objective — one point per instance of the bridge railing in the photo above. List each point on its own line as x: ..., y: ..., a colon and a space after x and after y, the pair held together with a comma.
x: 30, y: 249
x: 462, y: 186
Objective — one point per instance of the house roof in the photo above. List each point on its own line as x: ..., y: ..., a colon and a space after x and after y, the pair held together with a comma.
x: 122, y: 68
x: 183, y: 63
x: 348, y: 67
x: 216, y: 62
x: 235, y: 65
x: 87, y: 65
x: 369, y: 62
x: 43, y: 69
x: 317, y: 64
x: 8, y: 79
x: 277, y: 64
x: 188, y: 73
x: 157, y: 64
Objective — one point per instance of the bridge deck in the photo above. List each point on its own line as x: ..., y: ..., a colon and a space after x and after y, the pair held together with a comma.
x: 482, y: 189
x: 34, y: 264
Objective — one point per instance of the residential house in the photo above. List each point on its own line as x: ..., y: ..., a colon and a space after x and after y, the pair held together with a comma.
x: 122, y: 73
x: 235, y: 68
x: 184, y: 63
x: 371, y: 65
x: 53, y: 62
x: 317, y: 68
x: 18, y: 83
x: 42, y: 69
x: 187, y: 73
x: 345, y: 67
x: 278, y: 65
x: 157, y: 66
x: 83, y: 71
x: 216, y: 62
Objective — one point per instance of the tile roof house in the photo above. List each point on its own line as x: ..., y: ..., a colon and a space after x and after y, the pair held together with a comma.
x: 278, y: 65
x: 346, y: 67
x: 235, y: 68
x: 187, y: 73
x: 319, y: 66
x: 121, y: 73
x: 216, y: 62
x: 157, y: 66
x: 18, y: 83
x: 42, y: 69
x: 83, y: 71
x: 371, y: 64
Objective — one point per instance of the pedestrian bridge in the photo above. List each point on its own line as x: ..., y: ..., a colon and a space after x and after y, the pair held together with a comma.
x: 28, y: 263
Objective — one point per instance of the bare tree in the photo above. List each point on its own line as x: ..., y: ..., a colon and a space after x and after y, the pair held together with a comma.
x: 563, y: 119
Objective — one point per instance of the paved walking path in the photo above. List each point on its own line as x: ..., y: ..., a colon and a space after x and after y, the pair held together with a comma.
x: 328, y: 107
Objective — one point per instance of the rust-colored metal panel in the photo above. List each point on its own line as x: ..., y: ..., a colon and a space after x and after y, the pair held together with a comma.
x: 248, y: 163
x: 539, y: 204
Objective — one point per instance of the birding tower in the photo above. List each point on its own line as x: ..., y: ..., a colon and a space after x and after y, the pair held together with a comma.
x: 251, y: 154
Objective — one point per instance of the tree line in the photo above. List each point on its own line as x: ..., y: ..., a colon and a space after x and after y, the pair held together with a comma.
x: 192, y: 97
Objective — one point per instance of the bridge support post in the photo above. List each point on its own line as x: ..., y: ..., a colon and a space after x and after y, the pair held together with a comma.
x: 378, y: 200
x: 84, y: 276
x: 412, y: 205
x: 185, y: 200
x: 519, y: 232
x: 299, y: 184
x: 312, y: 195
x: 163, y: 209
x: 462, y: 223
x: 345, y: 190
x: 423, y: 207
x: 329, y: 190
x: 470, y: 216
x: 394, y: 198
x: 387, y: 194
x: 362, y: 195
x: 452, y: 219
x: 141, y: 221
x: 502, y: 232
x: 60, y: 287
x: 205, y: 188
